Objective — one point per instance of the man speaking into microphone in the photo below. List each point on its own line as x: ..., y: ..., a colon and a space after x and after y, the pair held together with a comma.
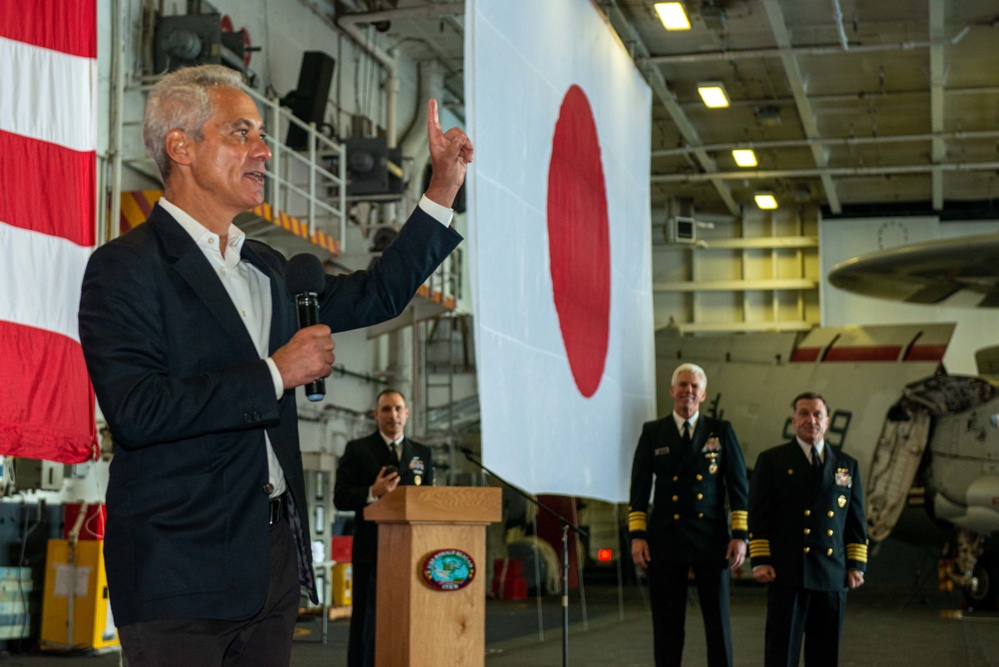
x: 194, y: 351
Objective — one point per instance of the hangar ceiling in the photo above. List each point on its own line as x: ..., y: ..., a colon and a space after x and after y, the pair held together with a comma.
x: 853, y: 105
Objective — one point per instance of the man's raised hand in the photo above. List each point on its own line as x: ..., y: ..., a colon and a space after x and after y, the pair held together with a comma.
x: 450, y: 153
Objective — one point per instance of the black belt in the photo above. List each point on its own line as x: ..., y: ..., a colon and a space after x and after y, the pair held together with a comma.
x: 277, y: 509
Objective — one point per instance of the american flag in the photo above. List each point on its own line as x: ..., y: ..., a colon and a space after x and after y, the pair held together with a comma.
x: 48, y: 204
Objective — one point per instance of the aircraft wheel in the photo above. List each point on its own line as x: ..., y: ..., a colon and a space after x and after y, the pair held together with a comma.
x: 985, y: 596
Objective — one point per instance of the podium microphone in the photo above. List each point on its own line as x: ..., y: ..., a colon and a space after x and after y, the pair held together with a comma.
x: 305, y: 281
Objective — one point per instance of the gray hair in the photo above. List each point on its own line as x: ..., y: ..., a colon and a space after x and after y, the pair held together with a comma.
x: 690, y: 368
x: 179, y: 101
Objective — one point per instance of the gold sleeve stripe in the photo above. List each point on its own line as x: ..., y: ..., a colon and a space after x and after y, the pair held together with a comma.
x: 637, y: 521
x: 740, y: 520
x: 857, y: 552
x: 759, y: 548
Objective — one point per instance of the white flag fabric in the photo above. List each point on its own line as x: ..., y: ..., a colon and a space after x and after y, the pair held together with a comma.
x: 560, y: 245
x: 48, y: 203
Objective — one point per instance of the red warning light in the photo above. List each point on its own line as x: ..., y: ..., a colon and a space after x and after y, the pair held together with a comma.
x: 605, y: 555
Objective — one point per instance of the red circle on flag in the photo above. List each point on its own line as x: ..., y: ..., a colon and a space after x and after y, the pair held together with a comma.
x: 579, y: 240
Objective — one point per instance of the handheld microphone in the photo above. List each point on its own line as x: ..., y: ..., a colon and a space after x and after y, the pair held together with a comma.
x: 305, y: 281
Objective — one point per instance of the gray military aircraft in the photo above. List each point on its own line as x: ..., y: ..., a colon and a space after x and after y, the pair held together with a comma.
x: 958, y: 415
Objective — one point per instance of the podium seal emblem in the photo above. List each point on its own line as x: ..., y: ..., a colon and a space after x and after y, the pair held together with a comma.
x: 448, y: 570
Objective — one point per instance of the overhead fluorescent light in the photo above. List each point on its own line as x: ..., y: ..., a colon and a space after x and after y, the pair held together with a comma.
x: 744, y: 157
x: 713, y: 95
x: 766, y: 201
x: 673, y: 15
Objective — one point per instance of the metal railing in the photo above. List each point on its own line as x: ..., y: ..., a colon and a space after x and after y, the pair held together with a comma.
x: 299, y: 184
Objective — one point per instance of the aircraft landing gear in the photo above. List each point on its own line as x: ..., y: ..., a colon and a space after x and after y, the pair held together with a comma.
x: 975, y: 568
x: 983, y: 594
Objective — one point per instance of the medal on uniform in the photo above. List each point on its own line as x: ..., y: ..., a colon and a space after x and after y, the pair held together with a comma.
x: 417, y: 466
x: 841, y: 501
x: 713, y: 457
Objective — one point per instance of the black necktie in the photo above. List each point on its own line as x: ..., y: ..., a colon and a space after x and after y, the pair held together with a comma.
x: 816, y: 461
x: 686, y: 433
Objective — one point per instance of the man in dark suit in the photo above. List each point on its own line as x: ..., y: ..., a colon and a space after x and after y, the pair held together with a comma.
x: 808, y: 538
x: 695, y: 460
x: 370, y: 468
x: 194, y: 351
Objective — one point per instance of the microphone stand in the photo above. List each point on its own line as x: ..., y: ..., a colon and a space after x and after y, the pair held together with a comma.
x: 566, y: 527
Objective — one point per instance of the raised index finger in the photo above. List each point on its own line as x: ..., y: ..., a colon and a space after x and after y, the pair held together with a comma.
x: 433, y: 120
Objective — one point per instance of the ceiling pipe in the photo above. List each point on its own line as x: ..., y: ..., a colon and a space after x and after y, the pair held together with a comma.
x: 828, y: 171
x: 830, y: 141
x: 820, y: 50
x: 838, y: 16
x: 366, y: 43
x: 874, y: 96
x: 431, y: 11
x: 355, y: 34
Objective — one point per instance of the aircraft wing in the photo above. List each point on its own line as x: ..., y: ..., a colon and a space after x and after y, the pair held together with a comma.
x: 926, y: 272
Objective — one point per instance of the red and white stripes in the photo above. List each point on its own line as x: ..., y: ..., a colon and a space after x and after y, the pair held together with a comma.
x: 48, y: 191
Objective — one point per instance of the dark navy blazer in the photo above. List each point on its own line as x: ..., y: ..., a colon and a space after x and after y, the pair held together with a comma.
x: 690, y: 521
x: 809, y: 525
x: 188, y: 399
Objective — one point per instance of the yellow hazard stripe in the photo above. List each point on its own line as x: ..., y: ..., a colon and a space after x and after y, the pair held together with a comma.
x: 740, y: 520
x: 637, y: 521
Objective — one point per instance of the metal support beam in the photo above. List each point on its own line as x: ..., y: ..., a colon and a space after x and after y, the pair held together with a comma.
x: 937, y: 75
x: 974, y: 135
x: 797, y: 82
x: 825, y: 172
x: 668, y: 100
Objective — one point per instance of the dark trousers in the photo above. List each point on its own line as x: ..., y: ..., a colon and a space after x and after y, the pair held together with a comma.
x: 794, y: 614
x: 261, y: 641
x: 668, y: 593
x: 361, y: 640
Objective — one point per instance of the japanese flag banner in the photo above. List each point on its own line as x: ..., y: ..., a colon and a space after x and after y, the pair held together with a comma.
x: 560, y: 245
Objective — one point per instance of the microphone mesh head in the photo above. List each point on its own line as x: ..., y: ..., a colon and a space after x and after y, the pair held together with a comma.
x: 304, y: 273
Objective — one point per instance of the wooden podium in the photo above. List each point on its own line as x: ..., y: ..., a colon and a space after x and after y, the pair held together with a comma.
x: 418, y: 624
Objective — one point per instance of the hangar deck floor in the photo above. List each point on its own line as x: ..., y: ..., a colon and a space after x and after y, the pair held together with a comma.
x: 884, y: 627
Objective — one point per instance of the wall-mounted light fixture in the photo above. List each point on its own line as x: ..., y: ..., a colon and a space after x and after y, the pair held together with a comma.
x: 766, y: 201
x: 713, y: 94
x: 673, y: 15
x: 744, y: 157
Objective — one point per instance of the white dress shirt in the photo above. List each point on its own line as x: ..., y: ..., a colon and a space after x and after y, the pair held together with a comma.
x: 693, y: 422
x: 820, y: 449
x: 250, y: 292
